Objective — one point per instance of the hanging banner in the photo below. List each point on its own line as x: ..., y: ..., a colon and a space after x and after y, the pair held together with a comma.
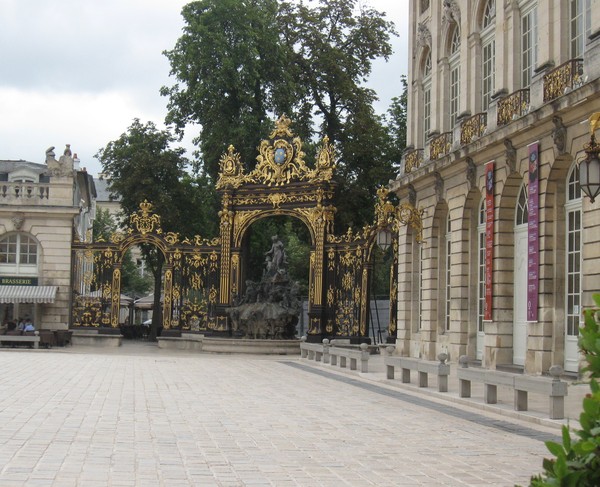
x: 533, y: 242
x: 489, y: 238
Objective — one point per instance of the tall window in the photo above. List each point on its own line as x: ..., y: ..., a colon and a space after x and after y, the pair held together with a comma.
x: 454, y: 76
x: 522, y: 213
x: 448, y: 240
x: 481, y: 265
x: 580, y: 16
x: 426, y: 97
x: 528, y: 44
x: 18, y: 251
x: 488, y: 48
x: 573, y: 257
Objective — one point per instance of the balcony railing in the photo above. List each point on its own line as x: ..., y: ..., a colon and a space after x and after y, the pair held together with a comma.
x: 513, y: 106
x: 440, y: 145
x: 562, y: 78
x: 412, y: 160
x: 473, y: 128
x: 24, y: 192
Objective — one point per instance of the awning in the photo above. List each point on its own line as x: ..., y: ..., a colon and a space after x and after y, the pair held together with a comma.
x: 27, y: 294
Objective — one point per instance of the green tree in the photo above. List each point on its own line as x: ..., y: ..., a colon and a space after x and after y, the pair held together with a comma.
x: 396, y: 123
x: 238, y: 63
x: 231, y: 73
x: 141, y: 165
x: 132, y: 282
x: 104, y: 225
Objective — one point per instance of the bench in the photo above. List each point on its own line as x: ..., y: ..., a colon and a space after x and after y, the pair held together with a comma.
x: 314, y: 351
x: 351, y: 354
x: 424, y: 367
x: 553, y: 387
x: 33, y: 339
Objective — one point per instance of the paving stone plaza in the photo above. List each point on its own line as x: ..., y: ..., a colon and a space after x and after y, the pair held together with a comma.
x: 142, y: 416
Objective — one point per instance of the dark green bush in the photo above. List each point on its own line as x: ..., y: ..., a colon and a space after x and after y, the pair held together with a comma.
x: 577, y: 461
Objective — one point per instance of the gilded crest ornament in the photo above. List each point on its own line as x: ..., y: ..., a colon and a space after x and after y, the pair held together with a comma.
x: 144, y: 221
x: 231, y: 169
x: 280, y: 161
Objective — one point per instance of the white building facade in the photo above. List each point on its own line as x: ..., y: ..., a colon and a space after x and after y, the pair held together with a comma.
x: 500, y: 92
x: 43, y: 207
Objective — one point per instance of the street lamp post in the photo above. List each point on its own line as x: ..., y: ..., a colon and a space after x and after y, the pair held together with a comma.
x: 589, y: 167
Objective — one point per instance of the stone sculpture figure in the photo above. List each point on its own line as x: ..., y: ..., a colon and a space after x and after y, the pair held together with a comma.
x: 269, y: 309
x: 275, y: 258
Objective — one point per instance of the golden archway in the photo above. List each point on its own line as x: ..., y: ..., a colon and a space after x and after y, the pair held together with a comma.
x: 202, y: 277
x: 340, y: 267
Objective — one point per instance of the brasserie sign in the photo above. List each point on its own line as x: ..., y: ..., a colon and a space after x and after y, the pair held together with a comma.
x: 18, y: 281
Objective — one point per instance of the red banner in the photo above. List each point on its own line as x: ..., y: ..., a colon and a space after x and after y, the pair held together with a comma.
x: 489, y: 239
x: 533, y: 241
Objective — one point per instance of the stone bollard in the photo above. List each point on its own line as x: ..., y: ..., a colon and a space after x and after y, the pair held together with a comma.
x: 559, y: 391
x: 364, y: 357
x: 326, y: 346
x: 464, y: 386
x: 443, y: 372
x: 303, y: 351
x: 555, y: 372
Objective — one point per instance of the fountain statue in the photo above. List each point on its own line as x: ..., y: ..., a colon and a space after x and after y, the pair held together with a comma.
x: 268, y: 309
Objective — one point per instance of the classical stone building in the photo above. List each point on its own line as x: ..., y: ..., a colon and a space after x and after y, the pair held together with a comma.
x: 500, y: 92
x: 43, y: 207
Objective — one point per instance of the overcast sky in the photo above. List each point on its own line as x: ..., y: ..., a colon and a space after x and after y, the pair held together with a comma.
x: 80, y: 71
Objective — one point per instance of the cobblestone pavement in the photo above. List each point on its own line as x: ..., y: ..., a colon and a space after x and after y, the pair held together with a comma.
x: 141, y: 416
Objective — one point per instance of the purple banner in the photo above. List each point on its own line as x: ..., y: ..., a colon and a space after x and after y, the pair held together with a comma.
x: 489, y: 239
x: 533, y: 237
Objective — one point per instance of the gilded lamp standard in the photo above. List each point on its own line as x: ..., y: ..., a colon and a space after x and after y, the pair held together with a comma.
x: 589, y: 167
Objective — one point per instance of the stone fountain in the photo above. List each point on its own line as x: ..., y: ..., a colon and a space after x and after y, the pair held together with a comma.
x: 268, y: 309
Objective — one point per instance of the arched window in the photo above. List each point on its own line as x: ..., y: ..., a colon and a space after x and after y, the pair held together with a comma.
x: 488, y: 50
x: 454, y: 75
x: 528, y: 42
x: 448, y: 240
x: 426, y: 97
x: 522, y: 210
x: 18, y: 252
x: 580, y: 12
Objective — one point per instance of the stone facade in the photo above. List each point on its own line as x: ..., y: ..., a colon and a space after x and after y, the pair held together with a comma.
x: 461, y: 51
x: 43, y: 206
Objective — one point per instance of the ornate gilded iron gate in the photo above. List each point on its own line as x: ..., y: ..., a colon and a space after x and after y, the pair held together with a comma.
x: 203, y: 278
x: 190, y: 282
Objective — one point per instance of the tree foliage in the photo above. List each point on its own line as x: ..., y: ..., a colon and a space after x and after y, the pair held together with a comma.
x: 141, y: 165
x: 396, y: 123
x: 239, y: 64
x: 577, y: 461
x: 132, y: 282
x: 104, y: 225
x: 231, y: 71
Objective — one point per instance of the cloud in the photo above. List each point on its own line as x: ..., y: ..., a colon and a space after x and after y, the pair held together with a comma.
x: 79, y: 71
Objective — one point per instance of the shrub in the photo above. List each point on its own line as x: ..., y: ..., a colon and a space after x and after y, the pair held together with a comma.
x: 577, y: 461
